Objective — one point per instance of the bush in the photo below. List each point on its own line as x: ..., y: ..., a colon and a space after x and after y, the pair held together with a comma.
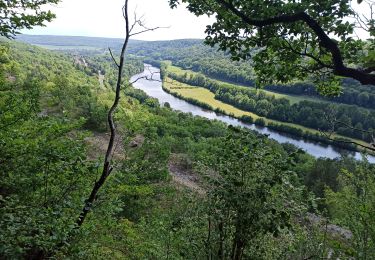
x: 260, y: 121
x: 247, y: 119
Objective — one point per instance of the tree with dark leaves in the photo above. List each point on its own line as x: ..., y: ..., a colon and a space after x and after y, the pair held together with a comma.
x: 17, y: 15
x: 293, y: 39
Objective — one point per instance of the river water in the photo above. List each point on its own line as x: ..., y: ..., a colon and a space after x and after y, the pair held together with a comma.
x: 153, y: 88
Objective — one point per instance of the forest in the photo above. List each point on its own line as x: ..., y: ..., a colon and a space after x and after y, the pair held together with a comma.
x: 49, y: 130
x: 175, y: 185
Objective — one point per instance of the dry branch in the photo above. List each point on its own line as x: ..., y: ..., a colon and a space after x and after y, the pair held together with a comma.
x: 107, y: 165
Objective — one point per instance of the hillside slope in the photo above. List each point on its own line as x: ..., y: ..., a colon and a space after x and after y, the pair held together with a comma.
x: 247, y: 188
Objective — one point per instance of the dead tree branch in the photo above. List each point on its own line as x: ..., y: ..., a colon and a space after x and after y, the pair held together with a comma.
x: 113, y: 58
x: 347, y: 141
x: 107, y: 165
x: 147, y: 77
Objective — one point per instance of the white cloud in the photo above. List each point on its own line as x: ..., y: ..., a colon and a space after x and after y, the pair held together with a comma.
x: 103, y: 18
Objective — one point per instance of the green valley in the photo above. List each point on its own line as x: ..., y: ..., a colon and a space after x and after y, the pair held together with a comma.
x: 254, y: 143
x: 171, y: 161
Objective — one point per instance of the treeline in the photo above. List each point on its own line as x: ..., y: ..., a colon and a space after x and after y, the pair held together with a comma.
x: 297, y: 132
x: 339, y: 142
x: 194, y: 55
x: 351, y: 121
x: 353, y: 93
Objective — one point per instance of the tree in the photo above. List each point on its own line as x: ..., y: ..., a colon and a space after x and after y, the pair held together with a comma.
x: 43, y: 173
x: 353, y: 207
x: 107, y: 165
x: 16, y: 15
x: 292, y: 39
x: 253, y: 199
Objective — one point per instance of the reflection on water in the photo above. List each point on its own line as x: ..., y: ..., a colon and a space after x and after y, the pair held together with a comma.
x: 154, y: 89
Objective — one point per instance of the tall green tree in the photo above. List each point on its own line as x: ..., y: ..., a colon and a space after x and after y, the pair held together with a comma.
x: 353, y: 207
x: 16, y: 15
x: 293, y: 39
x: 253, y: 200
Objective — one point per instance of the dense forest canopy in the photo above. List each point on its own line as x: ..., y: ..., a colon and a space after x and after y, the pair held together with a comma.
x: 50, y: 155
x: 181, y: 186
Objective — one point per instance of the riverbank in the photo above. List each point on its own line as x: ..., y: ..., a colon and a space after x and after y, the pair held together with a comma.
x: 305, y: 114
x: 204, y: 98
x: 317, y: 149
x: 292, y: 98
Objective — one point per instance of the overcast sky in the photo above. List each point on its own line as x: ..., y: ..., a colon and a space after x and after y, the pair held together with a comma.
x: 103, y: 18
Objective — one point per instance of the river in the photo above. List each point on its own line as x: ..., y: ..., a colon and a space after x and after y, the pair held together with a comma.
x: 153, y: 88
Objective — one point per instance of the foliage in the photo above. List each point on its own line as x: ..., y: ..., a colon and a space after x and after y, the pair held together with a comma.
x: 352, y: 206
x: 16, y: 15
x: 324, y: 173
x: 307, y: 113
x: 293, y: 40
x: 44, y: 168
x: 254, y: 199
x: 252, y: 185
x: 43, y: 172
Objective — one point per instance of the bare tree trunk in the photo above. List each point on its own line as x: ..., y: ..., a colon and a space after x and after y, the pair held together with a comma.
x: 238, y: 241
x: 107, y: 167
x: 220, y: 253
x: 208, y: 241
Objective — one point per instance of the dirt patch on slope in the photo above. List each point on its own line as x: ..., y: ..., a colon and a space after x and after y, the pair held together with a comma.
x: 98, y: 144
x: 180, y: 169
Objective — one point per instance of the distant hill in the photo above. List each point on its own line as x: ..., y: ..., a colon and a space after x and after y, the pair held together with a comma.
x: 72, y: 41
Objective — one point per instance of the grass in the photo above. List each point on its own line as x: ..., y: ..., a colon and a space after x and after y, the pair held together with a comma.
x: 293, y: 99
x: 205, y: 96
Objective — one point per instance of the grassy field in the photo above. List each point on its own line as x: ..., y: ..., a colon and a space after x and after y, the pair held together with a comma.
x: 205, y: 96
x: 292, y: 98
